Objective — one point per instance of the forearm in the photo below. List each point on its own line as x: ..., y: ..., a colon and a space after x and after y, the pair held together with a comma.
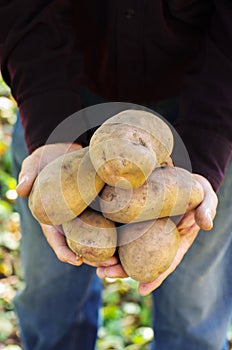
x: 38, y: 59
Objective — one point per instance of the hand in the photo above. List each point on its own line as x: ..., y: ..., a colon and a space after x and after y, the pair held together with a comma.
x: 31, y: 167
x: 189, y: 226
x: 57, y: 241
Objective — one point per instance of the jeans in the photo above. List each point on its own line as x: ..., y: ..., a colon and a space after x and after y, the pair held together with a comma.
x: 58, y: 308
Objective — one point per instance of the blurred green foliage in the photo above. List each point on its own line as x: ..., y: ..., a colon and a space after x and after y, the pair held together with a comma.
x: 126, y: 317
x: 10, y: 271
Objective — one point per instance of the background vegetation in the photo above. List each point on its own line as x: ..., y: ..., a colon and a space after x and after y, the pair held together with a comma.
x: 126, y: 315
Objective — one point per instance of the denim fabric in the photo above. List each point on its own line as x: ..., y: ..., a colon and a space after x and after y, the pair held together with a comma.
x: 58, y: 309
x: 193, y: 307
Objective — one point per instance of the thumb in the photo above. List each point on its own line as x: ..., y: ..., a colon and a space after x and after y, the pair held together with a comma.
x: 206, y: 211
x: 27, y: 175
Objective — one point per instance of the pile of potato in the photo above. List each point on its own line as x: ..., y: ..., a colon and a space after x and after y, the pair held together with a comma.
x: 128, y: 170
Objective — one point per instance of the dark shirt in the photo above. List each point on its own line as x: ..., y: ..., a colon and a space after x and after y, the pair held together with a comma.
x: 124, y: 50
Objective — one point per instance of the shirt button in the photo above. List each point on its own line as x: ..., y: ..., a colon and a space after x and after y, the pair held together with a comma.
x: 129, y: 13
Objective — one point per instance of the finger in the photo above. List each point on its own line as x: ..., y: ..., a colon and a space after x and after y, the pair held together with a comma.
x: 109, y: 262
x: 147, y: 288
x: 27, y: 175
x: 188, y: 230
x: 187, y: 220
x: 115, y: 271
x: 58, y: 243
x: 206, y: 211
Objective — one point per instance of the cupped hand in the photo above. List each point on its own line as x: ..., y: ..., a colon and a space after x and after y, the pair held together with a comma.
x: 189, y: 226
x: 30, y: 169
x: 57, y: 241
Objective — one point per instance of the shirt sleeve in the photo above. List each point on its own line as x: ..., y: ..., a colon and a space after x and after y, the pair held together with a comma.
x: 39, y: 61
x: 205, y: 122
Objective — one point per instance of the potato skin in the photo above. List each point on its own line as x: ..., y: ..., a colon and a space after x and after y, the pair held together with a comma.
x: 129, y: 146
x: 91, y: 236
x: 169, y: 191
x: 64, y: 188
x: 147, y: 249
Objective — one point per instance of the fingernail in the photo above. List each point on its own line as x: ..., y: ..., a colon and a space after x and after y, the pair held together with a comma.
x: 209, y: 219
x: 143, y: 290
x: 22, y: 181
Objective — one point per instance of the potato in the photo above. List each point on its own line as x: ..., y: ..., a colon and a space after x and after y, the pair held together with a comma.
x: 146, y: 249
x: 168, y: 191
x: 127, y: 147
x: 167, y: 162
x: 64, y: 188
x: 91, y: 236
